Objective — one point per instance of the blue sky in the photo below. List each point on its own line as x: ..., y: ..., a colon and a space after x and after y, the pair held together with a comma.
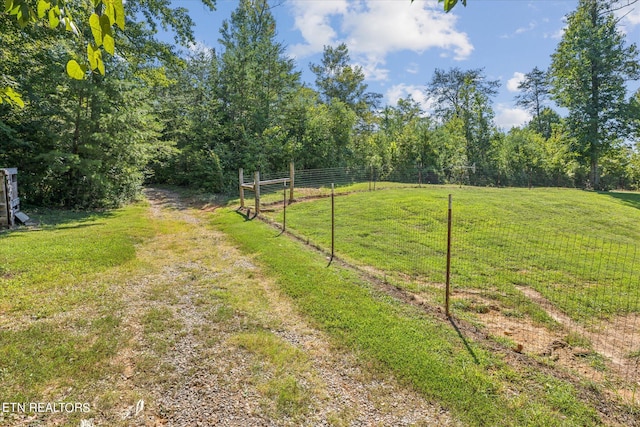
x: 399, y: 44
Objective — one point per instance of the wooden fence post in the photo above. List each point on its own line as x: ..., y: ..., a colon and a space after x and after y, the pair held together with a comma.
x: 292, y: 174
x: 256, y: 186
x: 241, y: 181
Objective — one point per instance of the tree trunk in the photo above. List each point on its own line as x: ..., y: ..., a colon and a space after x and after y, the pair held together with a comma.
x: 595, y: 174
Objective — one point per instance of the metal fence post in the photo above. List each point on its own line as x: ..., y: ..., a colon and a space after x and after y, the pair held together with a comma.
x: 448, y: 280
x: 333, y: 223
x: 284, y: 207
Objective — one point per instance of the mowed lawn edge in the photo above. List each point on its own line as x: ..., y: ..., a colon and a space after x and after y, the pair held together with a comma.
x: 478, y: 387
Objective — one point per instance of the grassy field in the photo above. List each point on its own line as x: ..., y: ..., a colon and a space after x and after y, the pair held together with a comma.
x: 110, y: 308
x: 579, y: 249
x: 59, y: 326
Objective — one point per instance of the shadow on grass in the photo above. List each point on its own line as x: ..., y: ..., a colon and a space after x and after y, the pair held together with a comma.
x: 464, y: 341
x: 246, y: 214
x: 629, y: 199
x: 47, y: 219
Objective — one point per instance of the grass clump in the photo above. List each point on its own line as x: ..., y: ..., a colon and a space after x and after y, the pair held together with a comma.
x: 575, y: 339
x: 46, y: 271
x: 282, y: 368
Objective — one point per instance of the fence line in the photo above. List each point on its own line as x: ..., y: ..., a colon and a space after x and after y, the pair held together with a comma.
x: 568, y: 297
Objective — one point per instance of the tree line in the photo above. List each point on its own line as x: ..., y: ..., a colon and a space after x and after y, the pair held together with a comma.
x: 161, y: 115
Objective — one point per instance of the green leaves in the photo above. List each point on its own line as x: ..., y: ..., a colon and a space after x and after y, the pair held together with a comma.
x: 54, y: 19
x: 107, y: 13
x: 588, y: 73
x: 75, y: 70
x: 43, y: 7
x: 94, y: 54
x: 10, y: 96
x: 96, y: 28
x: 20, y: 10
x: 449, y: 4
x: 101, y: 30
x: 114, y: 11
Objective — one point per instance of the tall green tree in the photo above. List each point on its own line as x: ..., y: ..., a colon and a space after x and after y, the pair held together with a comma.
x: 191, y: 115
x: 257, y: 80
x: 520, y: 157
x: 337, y: 79
x: 93, y: 25
x: 588, y: 73
x: 466, y: 96
x: 81, y: 143
x: 545, y: 122
x: 534, y: 90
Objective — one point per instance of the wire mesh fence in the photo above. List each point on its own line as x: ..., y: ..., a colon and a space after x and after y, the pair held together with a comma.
x: 311, y: 183
x: 565, y: 297
x: 564, y: 294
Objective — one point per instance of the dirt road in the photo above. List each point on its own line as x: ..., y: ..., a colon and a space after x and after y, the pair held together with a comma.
x: 214, y: 342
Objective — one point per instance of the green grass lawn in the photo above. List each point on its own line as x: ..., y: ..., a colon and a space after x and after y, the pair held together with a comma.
x: 579, y: 249
x: 48, y: 273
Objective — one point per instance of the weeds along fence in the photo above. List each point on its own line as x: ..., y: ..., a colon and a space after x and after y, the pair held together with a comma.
x: 567, y: 294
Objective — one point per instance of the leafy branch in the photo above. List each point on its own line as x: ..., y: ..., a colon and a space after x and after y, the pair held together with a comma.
x: 449, y: 4
x: 106, y: 15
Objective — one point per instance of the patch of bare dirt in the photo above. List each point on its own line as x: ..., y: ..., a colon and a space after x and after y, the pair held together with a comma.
x: 614, y: 340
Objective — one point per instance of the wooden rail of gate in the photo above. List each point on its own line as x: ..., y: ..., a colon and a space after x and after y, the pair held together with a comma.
x: 255, y: 185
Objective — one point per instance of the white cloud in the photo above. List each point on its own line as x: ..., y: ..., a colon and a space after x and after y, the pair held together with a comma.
x: 508, y: 117
x: 313, y: 20
x: 512, y: 83
x: 199, y: 47
x: 557, y: 35
x: 532, y: 25
x: 372, y: 68
x: 387, y: 26
x: 630, y: 18
x: 402, y: 90
x: 633, y: 18
x: 521, y: 30
x: 374, y: 28
x: 413, y: 68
